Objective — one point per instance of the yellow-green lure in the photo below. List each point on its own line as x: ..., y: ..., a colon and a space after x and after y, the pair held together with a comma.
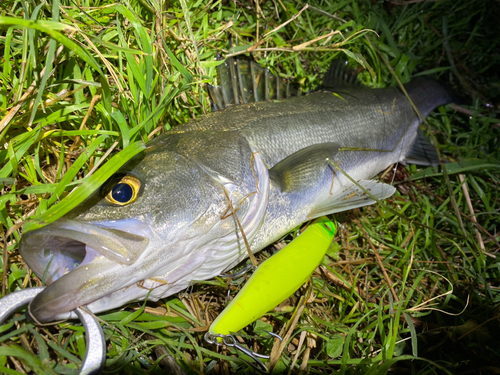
x: 277, y: 278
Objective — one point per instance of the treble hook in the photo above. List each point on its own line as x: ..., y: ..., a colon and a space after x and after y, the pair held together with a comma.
x: 239, y: 273
x: 231, y: 342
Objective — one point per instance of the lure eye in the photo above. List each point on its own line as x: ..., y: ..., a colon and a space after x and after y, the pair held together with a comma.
x: 125, y: 191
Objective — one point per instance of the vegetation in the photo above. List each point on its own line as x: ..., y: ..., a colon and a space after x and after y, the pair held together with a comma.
x: 414, y: 286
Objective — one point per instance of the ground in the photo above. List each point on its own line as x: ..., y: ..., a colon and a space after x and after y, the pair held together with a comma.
x: 412, y: 284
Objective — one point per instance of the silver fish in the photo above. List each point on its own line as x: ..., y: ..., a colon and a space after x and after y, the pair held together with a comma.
x: 169, y: 216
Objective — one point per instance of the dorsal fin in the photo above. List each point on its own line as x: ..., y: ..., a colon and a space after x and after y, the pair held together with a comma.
x: 340, y: 76
x: 244, y: 81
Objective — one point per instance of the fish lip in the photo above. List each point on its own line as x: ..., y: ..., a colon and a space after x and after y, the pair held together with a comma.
x: 62, y: 246
x: 70, y: 255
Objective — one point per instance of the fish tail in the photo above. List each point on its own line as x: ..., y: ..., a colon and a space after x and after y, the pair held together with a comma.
x: 428, y: 94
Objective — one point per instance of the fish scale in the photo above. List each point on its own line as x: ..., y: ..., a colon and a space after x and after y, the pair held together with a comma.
x: 270, y: 164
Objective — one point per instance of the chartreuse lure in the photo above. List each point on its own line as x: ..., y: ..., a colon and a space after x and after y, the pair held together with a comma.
x: 277, y: 278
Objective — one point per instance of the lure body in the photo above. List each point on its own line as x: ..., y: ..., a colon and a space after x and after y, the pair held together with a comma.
x: 277, y: 278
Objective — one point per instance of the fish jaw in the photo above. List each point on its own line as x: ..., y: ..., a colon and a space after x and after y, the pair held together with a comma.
x: 81, y: 262
x: 78, y: 288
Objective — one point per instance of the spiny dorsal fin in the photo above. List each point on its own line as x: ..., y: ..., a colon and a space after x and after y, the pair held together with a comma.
x: 244, y: 81
x: 340, y: 76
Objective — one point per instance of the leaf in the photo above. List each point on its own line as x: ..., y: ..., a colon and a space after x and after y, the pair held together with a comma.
x: 51, y: 28
x: 13, y: 159
x: 86, y: 189
x: 211, y: 64
x: 16, y: 275
x: 42, y: 349
x: 43, y: 82
x: 120, y: 120
x: 479, y: 191
x: 261, y: 326
x: 146, y: 46
x: 29, y: 358
x: 413, y: 333
x: 333, y: 251
x: 7, y: 181
x: 75, y: 168
x: 457, y: 167
x: 335, y: 345
x: 135, y: 314
x: 176, y: 63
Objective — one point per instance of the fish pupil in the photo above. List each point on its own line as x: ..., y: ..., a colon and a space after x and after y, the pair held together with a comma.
x: 122, y: 193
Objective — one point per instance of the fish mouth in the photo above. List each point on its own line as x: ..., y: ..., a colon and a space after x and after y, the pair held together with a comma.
x: 79, y: 262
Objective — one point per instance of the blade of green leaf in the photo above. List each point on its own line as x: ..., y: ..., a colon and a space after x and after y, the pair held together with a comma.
x: 456, y: 167
x: 86, y: 189
x: 51, y: 28
x: 75, y: 168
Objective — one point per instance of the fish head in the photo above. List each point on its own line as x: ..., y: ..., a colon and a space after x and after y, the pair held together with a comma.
x: 99, y: 253
x: 145, y: 234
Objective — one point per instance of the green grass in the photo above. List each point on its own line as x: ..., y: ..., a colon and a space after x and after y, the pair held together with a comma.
x: 106, y: 77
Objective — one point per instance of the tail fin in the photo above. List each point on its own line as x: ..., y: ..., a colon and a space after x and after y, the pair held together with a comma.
x: 428, y: 94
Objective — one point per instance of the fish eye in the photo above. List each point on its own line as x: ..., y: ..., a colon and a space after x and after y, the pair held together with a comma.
x: 124, y: 191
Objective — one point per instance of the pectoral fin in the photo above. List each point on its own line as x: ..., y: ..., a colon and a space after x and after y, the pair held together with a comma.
x: 305, y: 169
x: 306, y: 174
x: 353, y: 197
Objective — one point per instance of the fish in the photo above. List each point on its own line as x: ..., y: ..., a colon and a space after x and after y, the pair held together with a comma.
x: 204, y: 194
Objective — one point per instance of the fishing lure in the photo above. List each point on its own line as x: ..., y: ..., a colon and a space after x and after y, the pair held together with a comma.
x: 276, y: 279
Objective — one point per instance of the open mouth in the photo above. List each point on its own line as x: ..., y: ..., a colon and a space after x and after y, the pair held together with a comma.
x: 60, y: 256
x: 81, y: 262
x: 59, y: 248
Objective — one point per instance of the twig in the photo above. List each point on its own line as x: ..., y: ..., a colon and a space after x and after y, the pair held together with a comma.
x: 264, y: 38
x: 305, y: 360
x: 473, y: 215
x: 303, y: 335
x: 101, y: 160
x: 17, y: 364
x: 327, y: 14
x: 379, y: 260
x: 305, y: 44
x: 338, y: 282
x: 280, y: 346
x: 94, y: 100
x: 249, y: 250
x: 13, y: 111
x: 169, y: 362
